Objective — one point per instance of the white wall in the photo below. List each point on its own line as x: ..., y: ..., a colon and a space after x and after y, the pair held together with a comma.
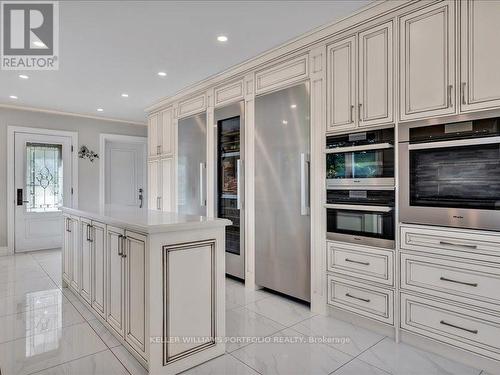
x: 88, y: 134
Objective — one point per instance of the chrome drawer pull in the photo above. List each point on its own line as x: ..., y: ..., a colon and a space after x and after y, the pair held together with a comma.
x: 474, y: 331
x: 458, y: 245
x: 357, y: 262
x: 458, y: 282
x: 359, y: 298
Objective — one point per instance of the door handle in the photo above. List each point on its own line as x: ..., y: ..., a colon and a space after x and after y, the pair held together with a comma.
x: 141, y: 197
x: 120, y: 245
x: 124, y: 239
x: 158, y: 203
x: 462, y: 92
x: 88, y: 235
x: 238, y: 184
x: 304, y: 184
x: 202, y: 193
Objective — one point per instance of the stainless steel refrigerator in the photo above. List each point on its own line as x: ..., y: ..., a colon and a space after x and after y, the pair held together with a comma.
x: 230, y: 152
x: 191, y: 165
x: 282, y: 221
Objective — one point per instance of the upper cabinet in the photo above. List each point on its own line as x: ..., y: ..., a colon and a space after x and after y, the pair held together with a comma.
x: 427, y: 62
x: 360, y: 80
x: 161, y: 133
x: 480, y: 53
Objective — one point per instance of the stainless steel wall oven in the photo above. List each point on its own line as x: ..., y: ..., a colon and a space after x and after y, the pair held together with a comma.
x: 360, y: 159
x: 450, y: 174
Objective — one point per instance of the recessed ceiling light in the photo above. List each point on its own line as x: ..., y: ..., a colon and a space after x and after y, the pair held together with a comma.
x: 100, y: 109
x: 293, y: 106
x: 162, y: 74
x: 284, y: 122
x: 39, y: 44
x: 124, y: 95
x: 23, y: 76
x: 13, y: 97
x: 222, y: 38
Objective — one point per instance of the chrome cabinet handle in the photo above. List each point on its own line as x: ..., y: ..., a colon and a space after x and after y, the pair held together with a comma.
x: 141, y: 197
x: 457, y: 245
x: 238, y: 184
x: 351, y: 120
x: 462, y: 92
x: 91, y: 236
x: 474, y: 331
x: 124, y: 239
x: 202, y: 193
x: 68, y: 225
x: 450, y: 102
x: 88, y: 235
x: 357, y: 262
x: 458, y: 282
x: 358, y: 298
x: 304, y: 184
x: 120, y: 245
x: 158, y: 150
x: 158, y: 203
x: 360, y: 106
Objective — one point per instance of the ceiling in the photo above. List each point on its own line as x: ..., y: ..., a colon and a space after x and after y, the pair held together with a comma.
x: 112, y: 47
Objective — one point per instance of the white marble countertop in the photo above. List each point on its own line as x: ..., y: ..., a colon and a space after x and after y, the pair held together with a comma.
x: 146, y: 221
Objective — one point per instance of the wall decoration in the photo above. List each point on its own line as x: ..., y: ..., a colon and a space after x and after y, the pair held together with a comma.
x: 85, y: 153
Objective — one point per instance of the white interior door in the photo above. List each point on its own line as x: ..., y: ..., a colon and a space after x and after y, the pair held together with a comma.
x: 42, y: 177
x: 126, y: 173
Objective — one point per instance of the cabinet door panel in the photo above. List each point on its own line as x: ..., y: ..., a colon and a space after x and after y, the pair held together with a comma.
x: 135, y: 291
x: 341, y: 84
x: 75, y: 255
x: 99, y: 268
x: 115, y: 271
x: 480, y: 76
x: 427, y: 60
x: 167, y: 132
x: 153, y: 183
x: 67, y: 251
x: 167, y: 184
x: 376, y: 76
x: 86, y: 259
x: 153, y: 135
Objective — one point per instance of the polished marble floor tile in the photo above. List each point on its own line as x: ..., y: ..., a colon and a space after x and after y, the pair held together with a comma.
x: 405, y: 359
x: 82, y: 308
x: 237, y: 295
x: 288, y: 352
x: 127, y: 360
x: 48, y: 312
x: 10, y: 275
x: 357, y: 367
x: 243, y: 326
x: 223, y: 365
x: 109, y: 339
x: 103, y: 363
x: 281, y: 310
x: 345, y: 336
x: 24, y: 302
x: 48, y: 349
x: 26, y: 285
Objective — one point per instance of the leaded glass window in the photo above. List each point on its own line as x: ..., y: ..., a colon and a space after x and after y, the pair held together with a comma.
x: 44, y: 177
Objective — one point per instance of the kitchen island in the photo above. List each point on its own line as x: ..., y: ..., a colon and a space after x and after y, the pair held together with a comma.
x: 155, y: 279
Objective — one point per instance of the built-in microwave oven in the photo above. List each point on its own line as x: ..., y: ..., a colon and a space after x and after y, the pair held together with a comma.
x: 450, y: 174
x: 361, y: 216
x: 364, y: 159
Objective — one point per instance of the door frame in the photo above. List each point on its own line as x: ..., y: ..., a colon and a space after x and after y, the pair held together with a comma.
x: 103, y: 138
x: 11, y: 132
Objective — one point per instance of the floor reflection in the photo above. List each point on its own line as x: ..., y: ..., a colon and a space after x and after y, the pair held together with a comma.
x: 43, y: 321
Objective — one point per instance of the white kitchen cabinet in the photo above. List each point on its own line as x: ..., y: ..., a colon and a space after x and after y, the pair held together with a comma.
x: 360, y: 80
x: 341, y: 72
x: 167, y: 192
x: 427, y: 62
x: 480, y: 53
x: 86, y: 259
x: 70, y: 239
x: 98, y: 297
x: 75, y: 254
x: 135, y: 290
x: 115, y: 279
x: 167, y: 132
x: 375, y: 95
x: 153, y: 135
x: 154, y: 185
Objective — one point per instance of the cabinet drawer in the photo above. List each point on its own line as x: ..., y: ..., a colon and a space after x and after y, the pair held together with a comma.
x: 469, y: 244
x: 372, y: 302
x: 442, y: 321
x: 442, y: 277
x: 369, y: 263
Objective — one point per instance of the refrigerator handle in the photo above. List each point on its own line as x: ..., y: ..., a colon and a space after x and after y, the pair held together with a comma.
x: 238, y: 184
x: 202, y: 193
x: 304, y: 184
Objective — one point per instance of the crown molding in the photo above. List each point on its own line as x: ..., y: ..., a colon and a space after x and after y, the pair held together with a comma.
x: 73, y: 114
